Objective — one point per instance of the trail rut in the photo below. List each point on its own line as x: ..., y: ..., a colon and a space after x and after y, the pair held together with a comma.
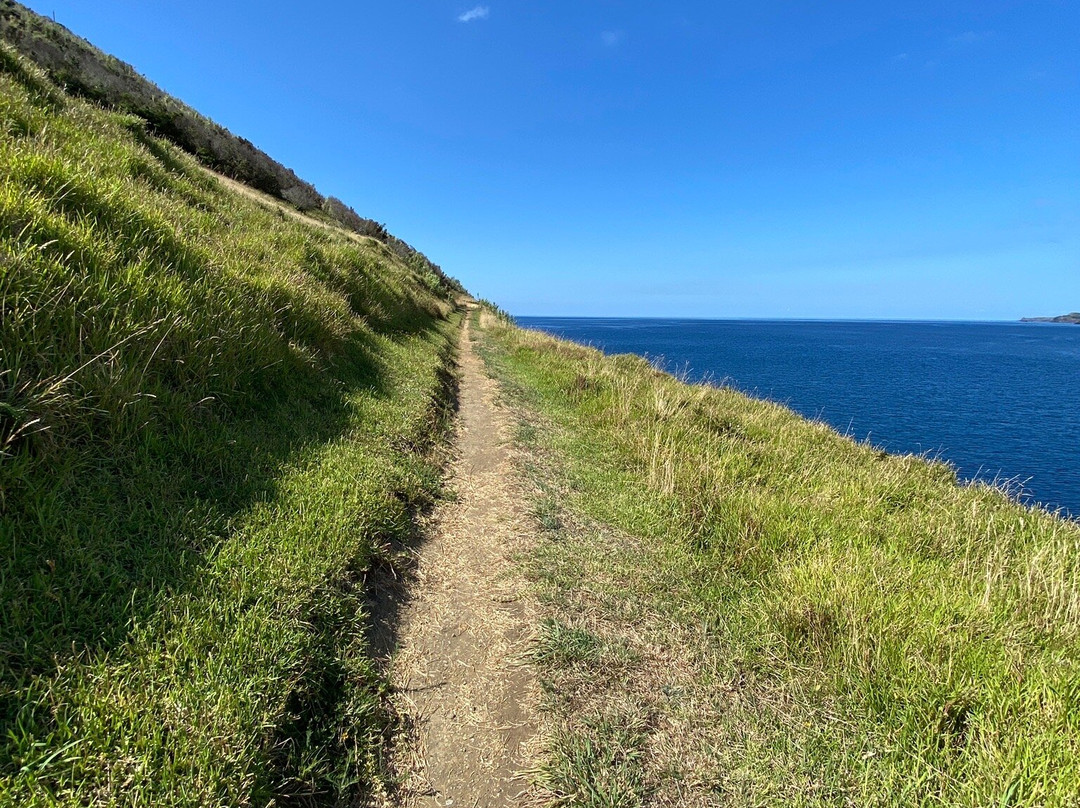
x: 465, y: 628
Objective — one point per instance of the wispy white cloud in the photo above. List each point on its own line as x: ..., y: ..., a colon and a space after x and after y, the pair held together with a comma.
x: 612, y: 38
x: 969, y: 38
x: 475, y: 13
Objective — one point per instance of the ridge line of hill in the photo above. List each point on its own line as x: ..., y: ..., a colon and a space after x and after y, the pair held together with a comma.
x: 84, y: 70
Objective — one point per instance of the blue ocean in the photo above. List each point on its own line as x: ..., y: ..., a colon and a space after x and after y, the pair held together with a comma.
x: 999, y: 401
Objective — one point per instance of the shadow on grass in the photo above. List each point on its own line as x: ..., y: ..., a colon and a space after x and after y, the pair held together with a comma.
x: 92, y: 544
x: 389, y: 585
x: 323, y: 707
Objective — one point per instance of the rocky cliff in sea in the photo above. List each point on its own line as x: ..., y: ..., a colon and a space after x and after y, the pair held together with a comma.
x: 1073, y: 317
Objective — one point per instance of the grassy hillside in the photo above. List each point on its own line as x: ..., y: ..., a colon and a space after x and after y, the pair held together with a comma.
x: 213, y: 420
x: 81, y: 69
x: 747, y: 608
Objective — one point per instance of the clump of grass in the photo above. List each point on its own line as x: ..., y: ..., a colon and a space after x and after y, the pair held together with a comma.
x: 211, y: 420
x: 560, y: 644
x: 546, y: 514
x: 600, y: 765
x: 847, y: 626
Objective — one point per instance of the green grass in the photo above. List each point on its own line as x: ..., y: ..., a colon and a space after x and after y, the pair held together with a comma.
x: 214, y: 420
x: 806, y: 620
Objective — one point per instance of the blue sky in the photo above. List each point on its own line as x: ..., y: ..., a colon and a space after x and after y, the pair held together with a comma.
x: 912, y: 160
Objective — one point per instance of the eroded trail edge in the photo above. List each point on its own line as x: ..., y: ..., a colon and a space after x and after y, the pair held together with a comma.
x: 463, y: 634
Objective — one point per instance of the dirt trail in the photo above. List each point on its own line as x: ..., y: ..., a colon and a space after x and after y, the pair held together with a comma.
x: 465, y: 629
x: 285, y: 208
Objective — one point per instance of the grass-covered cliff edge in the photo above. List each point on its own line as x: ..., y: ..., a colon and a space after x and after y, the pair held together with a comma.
x: 744, y: 607
x: 214, y: 418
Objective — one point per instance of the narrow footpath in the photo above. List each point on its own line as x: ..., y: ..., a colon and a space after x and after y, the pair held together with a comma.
x: 465, y: 628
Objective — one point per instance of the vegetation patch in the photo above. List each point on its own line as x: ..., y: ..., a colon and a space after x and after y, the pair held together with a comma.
x: 214, y: 420
x: 806, y: 620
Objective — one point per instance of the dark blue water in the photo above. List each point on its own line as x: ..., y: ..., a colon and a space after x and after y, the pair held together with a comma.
x: 997, y: 400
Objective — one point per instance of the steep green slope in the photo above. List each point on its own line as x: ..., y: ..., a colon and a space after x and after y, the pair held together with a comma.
x: 747, y: 608
x: 213, y: 419
x: 80, y: 68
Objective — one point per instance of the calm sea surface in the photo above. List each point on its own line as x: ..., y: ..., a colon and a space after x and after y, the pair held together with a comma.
x: 1000, y: 401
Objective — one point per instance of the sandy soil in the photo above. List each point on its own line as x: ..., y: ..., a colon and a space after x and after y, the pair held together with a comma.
x: 465, y: 627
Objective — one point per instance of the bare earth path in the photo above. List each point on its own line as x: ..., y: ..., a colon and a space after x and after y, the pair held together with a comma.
x: 464, y: 630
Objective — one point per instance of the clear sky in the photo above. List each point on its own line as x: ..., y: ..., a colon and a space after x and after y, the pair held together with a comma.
x: 704, y: 159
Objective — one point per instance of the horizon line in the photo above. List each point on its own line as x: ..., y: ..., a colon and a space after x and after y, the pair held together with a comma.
x: 780, y: 319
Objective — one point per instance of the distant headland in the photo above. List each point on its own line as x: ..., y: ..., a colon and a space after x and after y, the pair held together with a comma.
x: 1074, y: 318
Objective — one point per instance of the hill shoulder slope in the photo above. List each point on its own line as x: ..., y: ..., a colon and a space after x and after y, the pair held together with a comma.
x: 82, y: 69
x: 215, y: 419
x: 79, y: 67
